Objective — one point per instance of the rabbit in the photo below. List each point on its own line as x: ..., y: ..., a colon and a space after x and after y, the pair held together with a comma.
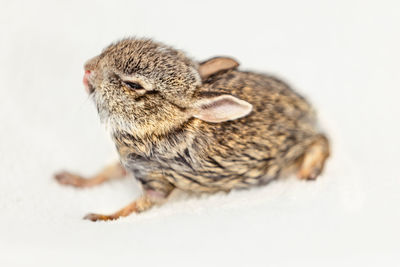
x: 200, y: 127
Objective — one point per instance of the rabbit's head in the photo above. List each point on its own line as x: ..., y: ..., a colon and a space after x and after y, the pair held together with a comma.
x: 144, y: 87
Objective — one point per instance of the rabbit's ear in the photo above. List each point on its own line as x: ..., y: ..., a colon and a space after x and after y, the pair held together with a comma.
x: 221, y: 108
x: 216, y: 64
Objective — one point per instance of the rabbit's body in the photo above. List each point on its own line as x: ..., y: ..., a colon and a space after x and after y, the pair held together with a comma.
x: 206, y: 157
x: 200, y: 127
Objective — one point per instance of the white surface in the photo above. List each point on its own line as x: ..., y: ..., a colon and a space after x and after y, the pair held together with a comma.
x: 343, y: 55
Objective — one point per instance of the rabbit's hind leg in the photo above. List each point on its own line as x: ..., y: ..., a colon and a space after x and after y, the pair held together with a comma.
x: 313, y: 160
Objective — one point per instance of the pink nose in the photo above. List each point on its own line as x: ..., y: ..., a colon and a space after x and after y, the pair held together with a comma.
x: 86, y: 80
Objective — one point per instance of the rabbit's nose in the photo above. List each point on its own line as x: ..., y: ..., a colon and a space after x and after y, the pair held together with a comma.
x: 89, y: 88
x: 86, y: 78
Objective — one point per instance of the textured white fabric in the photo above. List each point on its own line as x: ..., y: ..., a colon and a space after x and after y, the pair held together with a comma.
x: 343, y: 55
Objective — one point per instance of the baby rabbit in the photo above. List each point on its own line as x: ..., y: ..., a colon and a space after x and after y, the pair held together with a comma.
x: 199, y: 127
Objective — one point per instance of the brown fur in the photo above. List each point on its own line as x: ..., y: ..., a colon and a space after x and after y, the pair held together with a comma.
x: 161, y: 142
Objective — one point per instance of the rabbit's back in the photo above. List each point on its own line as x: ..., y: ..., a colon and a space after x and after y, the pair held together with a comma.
x: 271, y: 98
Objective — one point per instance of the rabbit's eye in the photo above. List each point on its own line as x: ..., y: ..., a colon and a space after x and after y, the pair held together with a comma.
x: 133, y: 85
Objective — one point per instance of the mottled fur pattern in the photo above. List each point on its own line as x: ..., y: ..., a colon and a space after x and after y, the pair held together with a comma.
x: 166, y: 147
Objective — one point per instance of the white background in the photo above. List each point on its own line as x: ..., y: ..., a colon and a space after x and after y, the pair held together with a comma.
x: 343, y: 55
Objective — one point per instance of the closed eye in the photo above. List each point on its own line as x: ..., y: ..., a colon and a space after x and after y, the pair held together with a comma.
x: 133, y: 85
